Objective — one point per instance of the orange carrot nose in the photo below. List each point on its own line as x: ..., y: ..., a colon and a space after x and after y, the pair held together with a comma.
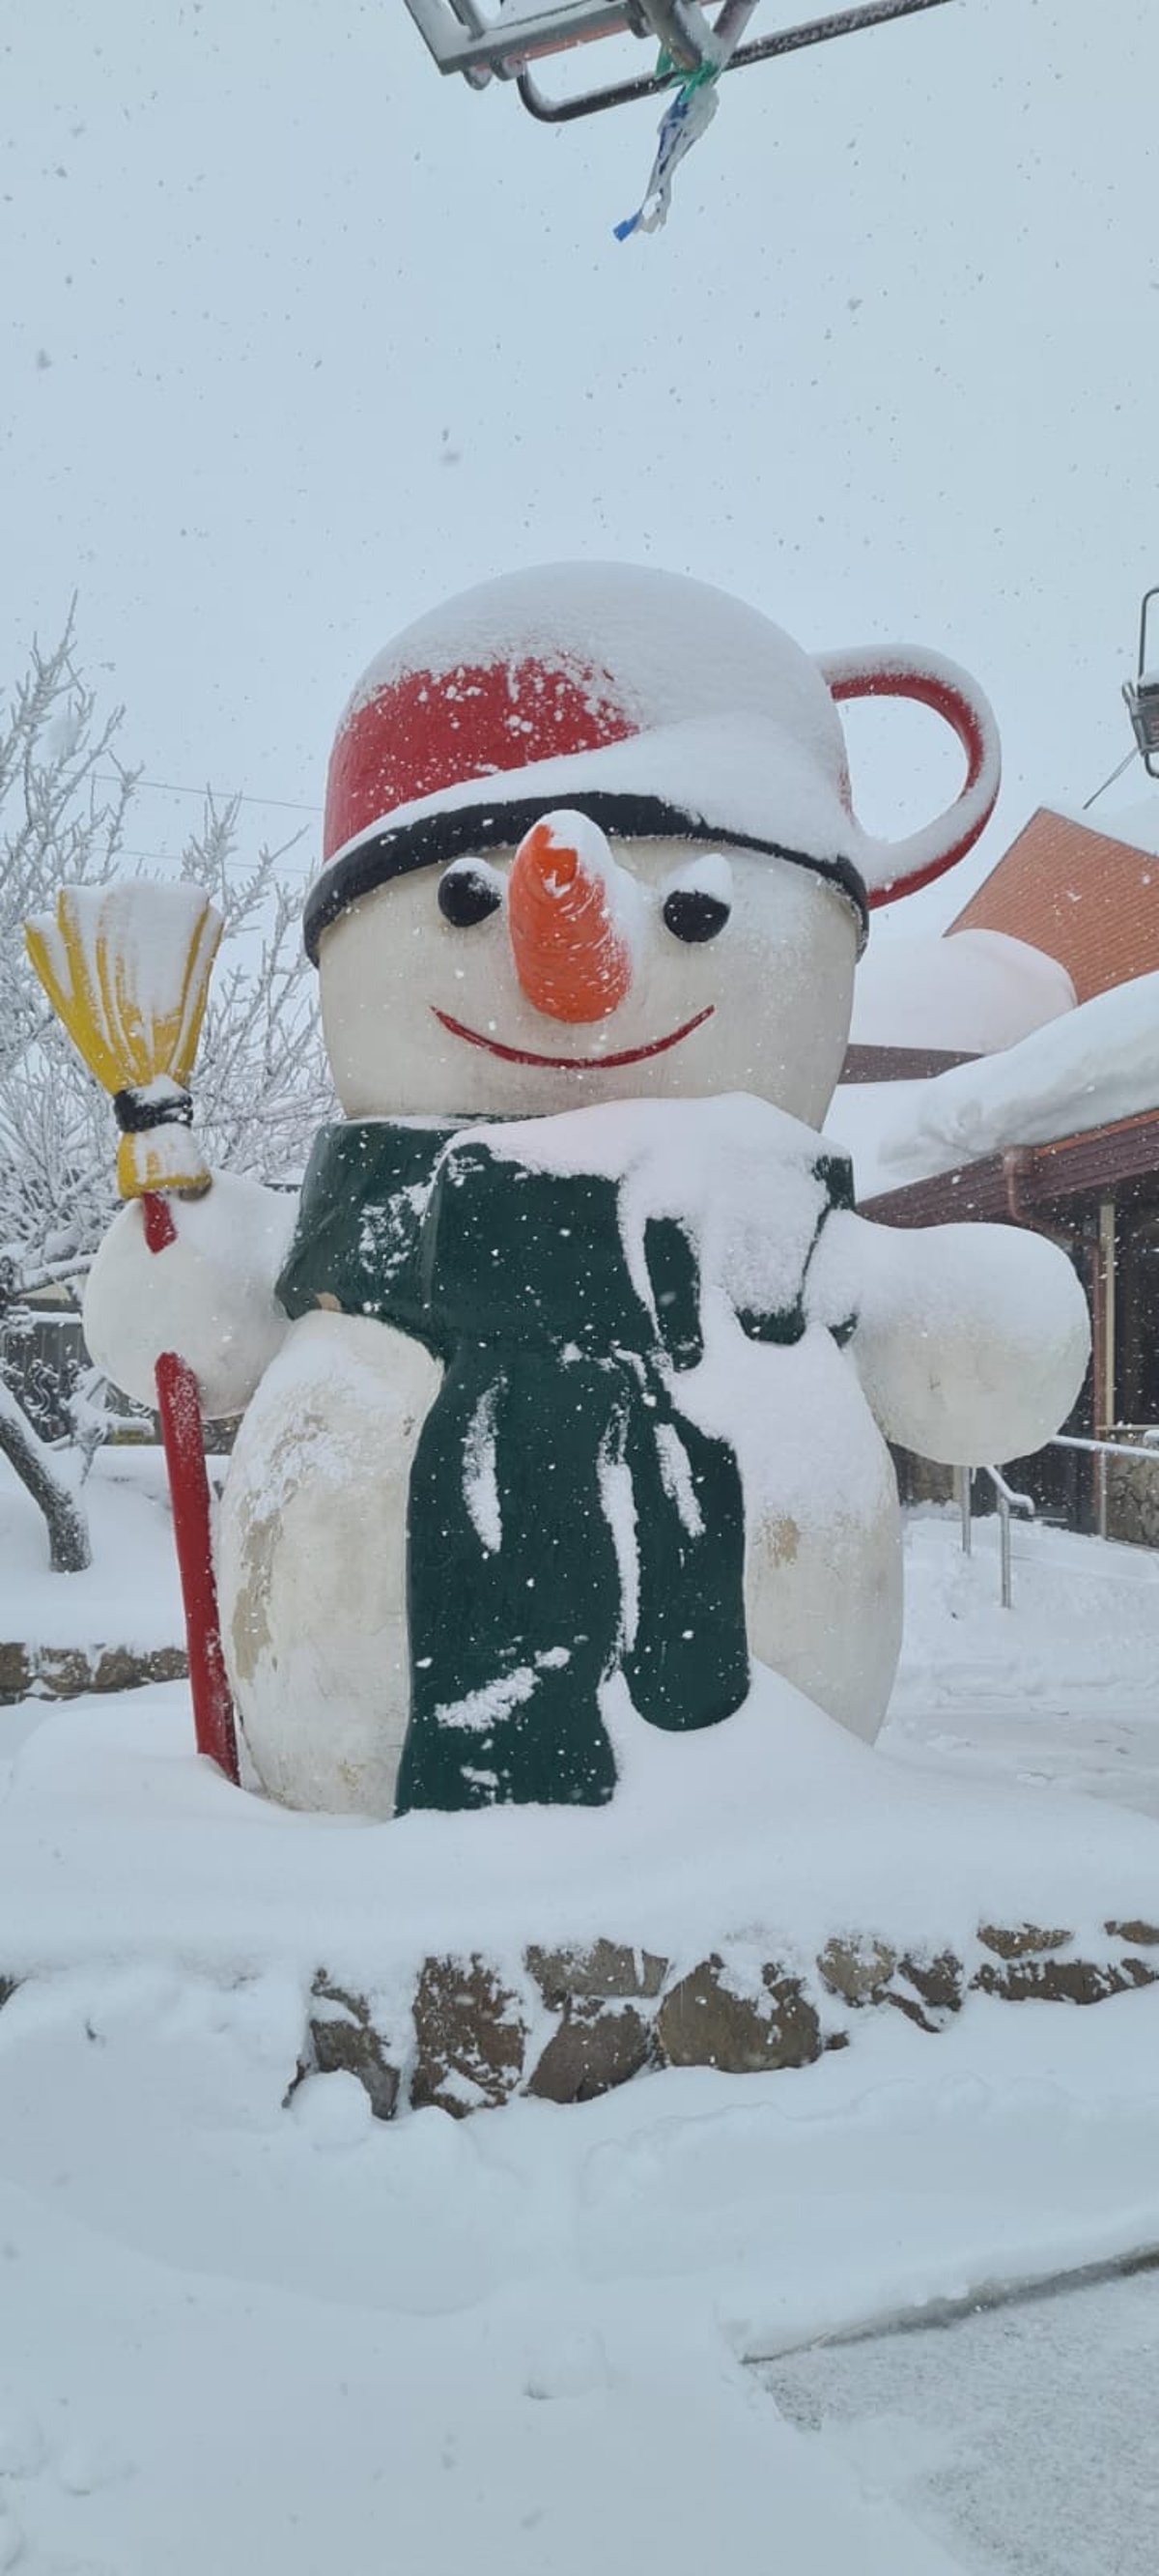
x: 570, y: 953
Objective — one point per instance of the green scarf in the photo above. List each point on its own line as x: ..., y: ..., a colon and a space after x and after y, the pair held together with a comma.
x: 566, y: 1521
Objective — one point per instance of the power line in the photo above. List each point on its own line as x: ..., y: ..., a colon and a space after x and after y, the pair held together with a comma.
x: 170, y: 858
x: 1125, y: 763
x: 165, y: 787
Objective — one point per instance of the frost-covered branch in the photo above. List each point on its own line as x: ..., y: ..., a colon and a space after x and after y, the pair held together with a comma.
x: 59, y: 824
x: 260, y: 1083
x: 36, y: 1466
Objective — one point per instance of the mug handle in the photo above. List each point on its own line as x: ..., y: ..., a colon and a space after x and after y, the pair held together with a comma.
x: 897, y: 868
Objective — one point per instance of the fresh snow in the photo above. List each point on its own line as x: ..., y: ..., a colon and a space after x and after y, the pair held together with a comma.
x: 164, y: 938
x: 863, y: 1119
x: 1086, y: 1069
x: 970, y: 992
x: 234, y: 2337
x: 1057, y: 1693
x: 732, y: 773
x: 239, y: 2334
x: 702, y: 701
x: 208, y: 1295
x: 649, y: 644
x: 971, y: 2425
x: 714, y: 1165
x: 626, y: 904
x: 480, y: 1473
x: 129, y: 1595
x: 761, y: 1837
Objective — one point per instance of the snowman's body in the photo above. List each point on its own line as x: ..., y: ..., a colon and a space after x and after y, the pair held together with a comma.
x: 580, y: 1365
x: 312, y: 1561
x: 548, y: 1458
x: 312, y: 1554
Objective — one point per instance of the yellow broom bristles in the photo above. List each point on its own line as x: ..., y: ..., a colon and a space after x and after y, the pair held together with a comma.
x: 126, y: 968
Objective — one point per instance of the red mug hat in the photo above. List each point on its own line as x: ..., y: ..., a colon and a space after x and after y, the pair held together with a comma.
x: 659, y: 706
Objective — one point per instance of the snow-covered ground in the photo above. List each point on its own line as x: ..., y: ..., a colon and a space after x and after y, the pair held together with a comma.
x: 1061, y: 1692
x: 129, y: 1595
x: 1023, y: 2435
x: 236, y: 2335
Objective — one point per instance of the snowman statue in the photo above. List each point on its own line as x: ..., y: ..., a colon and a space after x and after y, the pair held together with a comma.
x: 566, y: 1385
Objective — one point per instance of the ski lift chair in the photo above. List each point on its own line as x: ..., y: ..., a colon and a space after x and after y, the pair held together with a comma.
x: 1142, y: 694
x: 489, y: 40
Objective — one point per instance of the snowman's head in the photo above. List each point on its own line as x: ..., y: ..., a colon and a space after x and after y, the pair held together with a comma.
x: 590, y: 837
x: 580, y: 968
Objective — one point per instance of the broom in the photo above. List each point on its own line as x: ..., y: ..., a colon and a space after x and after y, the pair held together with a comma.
x: 127, y: 968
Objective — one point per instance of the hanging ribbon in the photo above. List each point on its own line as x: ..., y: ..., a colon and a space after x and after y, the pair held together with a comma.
x: 688, y: 117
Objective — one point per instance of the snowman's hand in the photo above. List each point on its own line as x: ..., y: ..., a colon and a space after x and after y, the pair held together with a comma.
x: 970, y: 1341
x: 209, y: 1296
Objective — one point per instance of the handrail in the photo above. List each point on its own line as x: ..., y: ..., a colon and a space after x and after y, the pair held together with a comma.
x: 1015, y: 1502
x: 1010, y: 1501
x: 1148, y: 1448
x: 1101, y: 1450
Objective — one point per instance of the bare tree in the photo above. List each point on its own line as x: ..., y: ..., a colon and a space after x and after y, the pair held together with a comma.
x: 262, y: 1082
x: 35, y: 1463
x: 261, y: 1079
x: 59, y: 825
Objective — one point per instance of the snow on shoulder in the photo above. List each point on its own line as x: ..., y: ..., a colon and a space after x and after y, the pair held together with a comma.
x: 716, y: 1166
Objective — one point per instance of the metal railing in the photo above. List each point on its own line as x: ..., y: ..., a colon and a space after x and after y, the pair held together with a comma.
x: 1009, y: 1501
x: 1101, y: 1450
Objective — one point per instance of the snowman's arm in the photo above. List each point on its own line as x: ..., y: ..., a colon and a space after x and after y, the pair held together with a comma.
x: 209, y: 1296
x: 970, y: 1341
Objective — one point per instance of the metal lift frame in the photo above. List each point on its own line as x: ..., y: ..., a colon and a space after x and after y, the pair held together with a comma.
x: 1142, y: 694
x: 461, y: 40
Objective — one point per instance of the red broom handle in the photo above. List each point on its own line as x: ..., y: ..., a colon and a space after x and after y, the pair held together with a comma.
x: 180, y: 1410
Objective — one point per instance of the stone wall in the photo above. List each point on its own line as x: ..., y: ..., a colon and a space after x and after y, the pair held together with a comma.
x: 576, y: 2023
x: 1133, y: 1491
x: 63, y: 1672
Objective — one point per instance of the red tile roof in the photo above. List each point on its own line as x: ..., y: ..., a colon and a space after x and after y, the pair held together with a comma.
x: 1090, y: 901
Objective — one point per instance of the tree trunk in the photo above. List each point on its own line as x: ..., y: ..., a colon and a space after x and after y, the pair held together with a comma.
x: 68, y: 1536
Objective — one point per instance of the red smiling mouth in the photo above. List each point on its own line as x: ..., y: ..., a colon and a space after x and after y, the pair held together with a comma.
x: 573, y: 1063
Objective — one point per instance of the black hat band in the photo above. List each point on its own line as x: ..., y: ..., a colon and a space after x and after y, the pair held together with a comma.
x: 459, y: 831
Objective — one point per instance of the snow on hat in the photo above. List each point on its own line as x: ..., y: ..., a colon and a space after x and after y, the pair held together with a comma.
x: 660, y: 706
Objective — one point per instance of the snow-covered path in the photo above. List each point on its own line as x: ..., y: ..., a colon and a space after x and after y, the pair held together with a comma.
x: 235, y: 2335
x: 1060, y: 1691
x: 1022, y: 2435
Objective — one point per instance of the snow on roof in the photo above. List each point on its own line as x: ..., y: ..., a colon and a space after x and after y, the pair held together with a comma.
x: 970, y: 992
x: 1084, y: 892
x: 864, y: 1119
x: 1094, y: 1065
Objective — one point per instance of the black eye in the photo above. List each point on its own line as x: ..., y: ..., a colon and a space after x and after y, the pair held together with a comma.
x: 695, y: 916
x: 468, y: 892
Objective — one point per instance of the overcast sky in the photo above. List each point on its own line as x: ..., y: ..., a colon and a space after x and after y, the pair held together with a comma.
x: 298, y: 337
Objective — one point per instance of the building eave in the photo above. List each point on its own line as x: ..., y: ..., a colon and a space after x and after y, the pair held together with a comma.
x: 1029, y: 1182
